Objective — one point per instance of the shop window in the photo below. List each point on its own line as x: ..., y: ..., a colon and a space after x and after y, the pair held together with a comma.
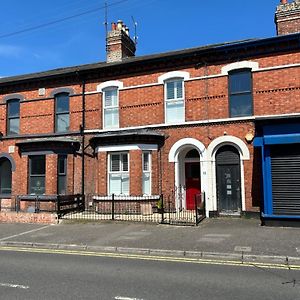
x: 174, y: 100
x: 146, y: 173
x: 62, y: 112
x: 5, y: 176
x: 240, y: 93
x: 37, y: 174
x: 119, y: 173
x: 62, y: 175
x: 13, y: 117
x: 111, y: 107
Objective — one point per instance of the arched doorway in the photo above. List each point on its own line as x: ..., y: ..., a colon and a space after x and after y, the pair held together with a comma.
x: 5, y: 176
x: 189, y: 156
x: 228, y: 176
x: 192, y: 178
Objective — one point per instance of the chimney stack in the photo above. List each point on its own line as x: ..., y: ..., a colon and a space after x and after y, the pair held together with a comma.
x: 119, y: 45
x: 287, y: 17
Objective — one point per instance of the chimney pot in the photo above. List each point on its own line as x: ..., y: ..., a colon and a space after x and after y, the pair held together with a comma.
x: 113, y: 26
x: 283, y: 1
x: 120, y: 24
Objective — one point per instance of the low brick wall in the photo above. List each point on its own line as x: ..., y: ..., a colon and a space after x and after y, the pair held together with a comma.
x: 24, y: 217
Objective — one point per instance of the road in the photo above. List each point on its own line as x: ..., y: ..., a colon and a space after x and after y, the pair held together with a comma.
x: 74, y: 275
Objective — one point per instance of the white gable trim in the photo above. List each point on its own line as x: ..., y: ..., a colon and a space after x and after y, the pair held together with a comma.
x: 111, y: 83
x: 240, y: 65
x: 174, y: 74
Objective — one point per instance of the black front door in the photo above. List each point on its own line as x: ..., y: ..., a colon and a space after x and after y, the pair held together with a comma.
x: 228, y: 180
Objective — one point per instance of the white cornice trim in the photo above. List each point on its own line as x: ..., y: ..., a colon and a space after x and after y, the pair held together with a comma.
x: 122, y: 88
x: 119, y: 148
x: 202, y: 122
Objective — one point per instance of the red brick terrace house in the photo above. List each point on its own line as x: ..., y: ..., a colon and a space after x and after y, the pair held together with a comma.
x: 220, y: 119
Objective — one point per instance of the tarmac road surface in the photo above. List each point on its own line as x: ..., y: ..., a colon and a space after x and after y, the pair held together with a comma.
x: 49, y: 274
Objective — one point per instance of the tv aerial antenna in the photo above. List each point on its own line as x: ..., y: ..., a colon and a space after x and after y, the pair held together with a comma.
x: 135, y: 38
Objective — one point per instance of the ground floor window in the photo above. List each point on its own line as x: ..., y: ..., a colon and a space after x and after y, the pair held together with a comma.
x: 62, y: 174
x: 5, y: 177
x: 146, y: 173
x: 37, y: 171
x: 118, y: 173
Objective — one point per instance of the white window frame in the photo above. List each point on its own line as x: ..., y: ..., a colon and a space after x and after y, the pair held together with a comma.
x: 169, y: 77
x: 113, y: 107
x: 174, y: 100
x: 121, y: 172
x: 106, y: 86
x: 149, y: 172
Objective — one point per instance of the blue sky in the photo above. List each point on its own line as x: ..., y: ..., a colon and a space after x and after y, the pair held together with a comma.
x: 163, y: 25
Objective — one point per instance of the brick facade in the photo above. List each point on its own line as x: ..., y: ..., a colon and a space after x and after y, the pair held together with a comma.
x: 207, y: 123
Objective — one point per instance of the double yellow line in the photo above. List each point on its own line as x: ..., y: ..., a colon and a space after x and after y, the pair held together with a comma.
x: 153, y: 258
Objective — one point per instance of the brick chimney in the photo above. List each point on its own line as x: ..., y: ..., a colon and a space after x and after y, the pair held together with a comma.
x: 287, y: 17
x: 119, y: 45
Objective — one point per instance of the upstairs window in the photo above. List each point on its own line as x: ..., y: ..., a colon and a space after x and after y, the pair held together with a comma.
x: 111, y: 107
x: 37, y: 174
x: 119, y: 174
x: 13, y: 117
x: 62, y: 175
x: 240, y: 93
x: 62, y: 112
x: 174, y: 101
x: 146, y: 173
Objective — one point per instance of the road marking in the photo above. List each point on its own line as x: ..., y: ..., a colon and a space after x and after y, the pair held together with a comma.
x: 242, y: 249
x: 23, y: 233
x: 220, y: 235
x: 210, y: 240
x: 11, y: 285
x: 126, y: 298
x: 155, y: 258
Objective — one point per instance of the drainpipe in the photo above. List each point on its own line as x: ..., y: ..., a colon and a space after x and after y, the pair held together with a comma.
x: 82, y: 128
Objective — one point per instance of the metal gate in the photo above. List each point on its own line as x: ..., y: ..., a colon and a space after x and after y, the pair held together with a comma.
x: 285, y: 169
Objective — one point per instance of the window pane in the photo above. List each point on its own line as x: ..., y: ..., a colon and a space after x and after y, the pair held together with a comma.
x: 5, y: 177
x: 115, y: 184
x: 37, y: 165
x: 111, y: 117
x: 62, y: 103
x: 37, y: 185
x: 125, y: 162
x: 61, y: 186
x: 13, y: 126
x: 62, y: 164
x: 115, y: 162
x: 125, y: 185
x: 146, y: 162
x: 111, y: 98
x: 241, y: 105
x: 240, y: 82
x: 179, y: 89
x: 146, y: 184
x: 62, y: 122
x: 170, y: 90
x: 13, y: 108
x: 175, y: 111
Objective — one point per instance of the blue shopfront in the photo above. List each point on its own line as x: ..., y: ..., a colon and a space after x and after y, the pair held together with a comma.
x: 280, y: 158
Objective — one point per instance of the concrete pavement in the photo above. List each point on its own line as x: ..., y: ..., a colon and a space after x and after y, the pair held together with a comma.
x: 223, y: 238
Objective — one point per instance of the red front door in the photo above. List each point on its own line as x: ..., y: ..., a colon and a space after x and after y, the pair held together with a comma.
x: 192, y: 183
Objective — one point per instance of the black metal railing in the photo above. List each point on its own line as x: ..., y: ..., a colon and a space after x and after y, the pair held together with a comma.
x: 60, y: 204
x: 119, y: 208
x: 170, y: 209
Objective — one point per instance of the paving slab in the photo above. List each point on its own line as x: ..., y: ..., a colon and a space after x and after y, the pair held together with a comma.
x: 232, y: 236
